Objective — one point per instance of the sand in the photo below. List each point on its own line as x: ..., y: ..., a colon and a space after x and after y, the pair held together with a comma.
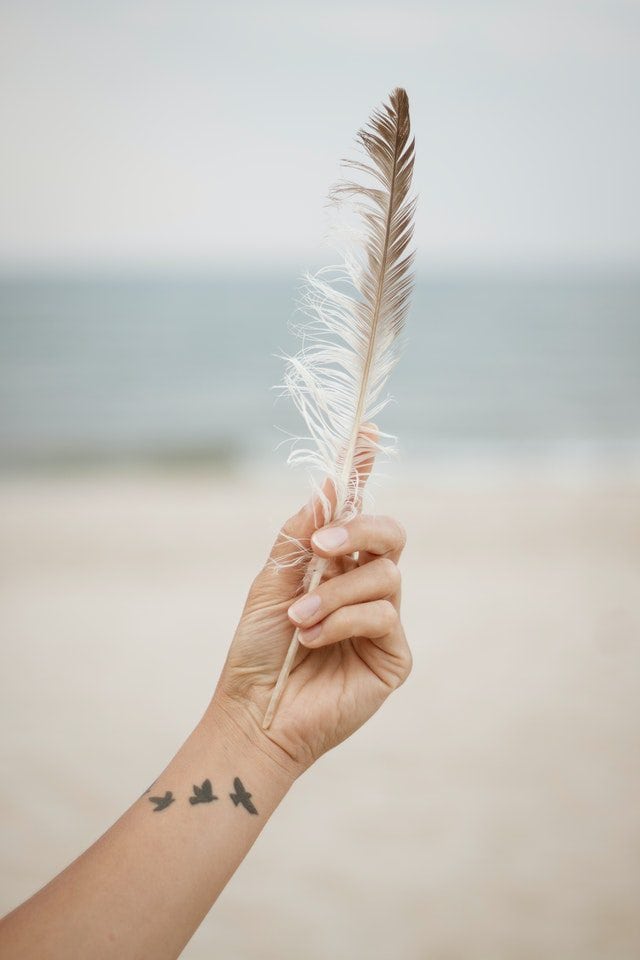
x: 490, y: 810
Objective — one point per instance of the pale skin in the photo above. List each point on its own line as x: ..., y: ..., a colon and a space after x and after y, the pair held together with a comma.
x: 145, y: 886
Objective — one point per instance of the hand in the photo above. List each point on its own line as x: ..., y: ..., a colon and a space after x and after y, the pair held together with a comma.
x: 354, y: 651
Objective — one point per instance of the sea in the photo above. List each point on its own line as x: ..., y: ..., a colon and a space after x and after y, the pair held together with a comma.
x: 183, y: 370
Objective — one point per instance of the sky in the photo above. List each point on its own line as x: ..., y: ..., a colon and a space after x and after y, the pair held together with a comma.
x: 192, y: 133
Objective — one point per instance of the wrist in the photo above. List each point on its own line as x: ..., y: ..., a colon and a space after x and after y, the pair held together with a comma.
x: 244, y: 735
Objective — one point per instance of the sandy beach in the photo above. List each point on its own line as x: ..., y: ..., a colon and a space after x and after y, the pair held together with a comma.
x: 490, y: 810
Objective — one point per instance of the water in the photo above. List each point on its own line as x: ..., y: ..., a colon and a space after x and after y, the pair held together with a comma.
x: 181, y: 369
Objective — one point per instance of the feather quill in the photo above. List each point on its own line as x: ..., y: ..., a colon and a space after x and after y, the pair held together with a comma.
x: 355, y: 316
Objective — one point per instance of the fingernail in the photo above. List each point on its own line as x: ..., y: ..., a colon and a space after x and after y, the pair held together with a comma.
x: 308, y: 636
x: 330, y: 538
x: 304, y: 608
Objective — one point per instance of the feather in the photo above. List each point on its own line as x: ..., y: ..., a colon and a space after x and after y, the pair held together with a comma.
x: 355, y: 314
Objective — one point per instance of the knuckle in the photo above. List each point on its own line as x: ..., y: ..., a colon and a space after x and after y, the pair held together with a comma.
x: 401, y: 535
x: 389, y: 573
x: 396, y: 532
x: 388, y: 614
x: 405, y: 665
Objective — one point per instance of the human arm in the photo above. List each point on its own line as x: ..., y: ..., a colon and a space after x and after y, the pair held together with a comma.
x: 143, y: 888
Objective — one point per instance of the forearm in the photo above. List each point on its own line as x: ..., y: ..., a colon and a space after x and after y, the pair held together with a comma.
x: 144, y: 887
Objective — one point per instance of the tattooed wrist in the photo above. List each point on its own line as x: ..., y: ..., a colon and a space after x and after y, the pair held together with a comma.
x: 240, y: 796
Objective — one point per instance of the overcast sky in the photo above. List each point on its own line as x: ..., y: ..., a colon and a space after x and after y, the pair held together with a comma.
x: 208, y: 133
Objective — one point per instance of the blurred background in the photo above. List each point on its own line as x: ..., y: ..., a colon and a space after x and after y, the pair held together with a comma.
x: 162, y: 188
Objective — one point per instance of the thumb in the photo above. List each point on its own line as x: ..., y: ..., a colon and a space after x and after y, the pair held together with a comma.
x: 295, y: 536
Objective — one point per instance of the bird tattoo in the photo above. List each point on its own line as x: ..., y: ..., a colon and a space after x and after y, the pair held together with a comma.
x: 203, y: 794
x: 241, y: 796
x: 161, y: 803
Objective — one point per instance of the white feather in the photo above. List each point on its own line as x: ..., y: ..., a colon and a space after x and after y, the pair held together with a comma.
x: 351, y: 337
x: 355, y: 313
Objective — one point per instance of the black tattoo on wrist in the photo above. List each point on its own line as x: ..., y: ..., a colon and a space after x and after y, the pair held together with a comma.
x: 203, y: 794
x: 161, y: 803
x: 241, y: 796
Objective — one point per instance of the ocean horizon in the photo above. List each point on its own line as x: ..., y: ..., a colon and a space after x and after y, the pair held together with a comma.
x: 112, y: 370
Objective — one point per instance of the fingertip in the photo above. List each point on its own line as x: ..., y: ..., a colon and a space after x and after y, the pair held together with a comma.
x: 330, y: 540
x: 304, y: 609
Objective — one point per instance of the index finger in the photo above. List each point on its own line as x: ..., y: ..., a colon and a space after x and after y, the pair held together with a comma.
x: 380, y: 536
